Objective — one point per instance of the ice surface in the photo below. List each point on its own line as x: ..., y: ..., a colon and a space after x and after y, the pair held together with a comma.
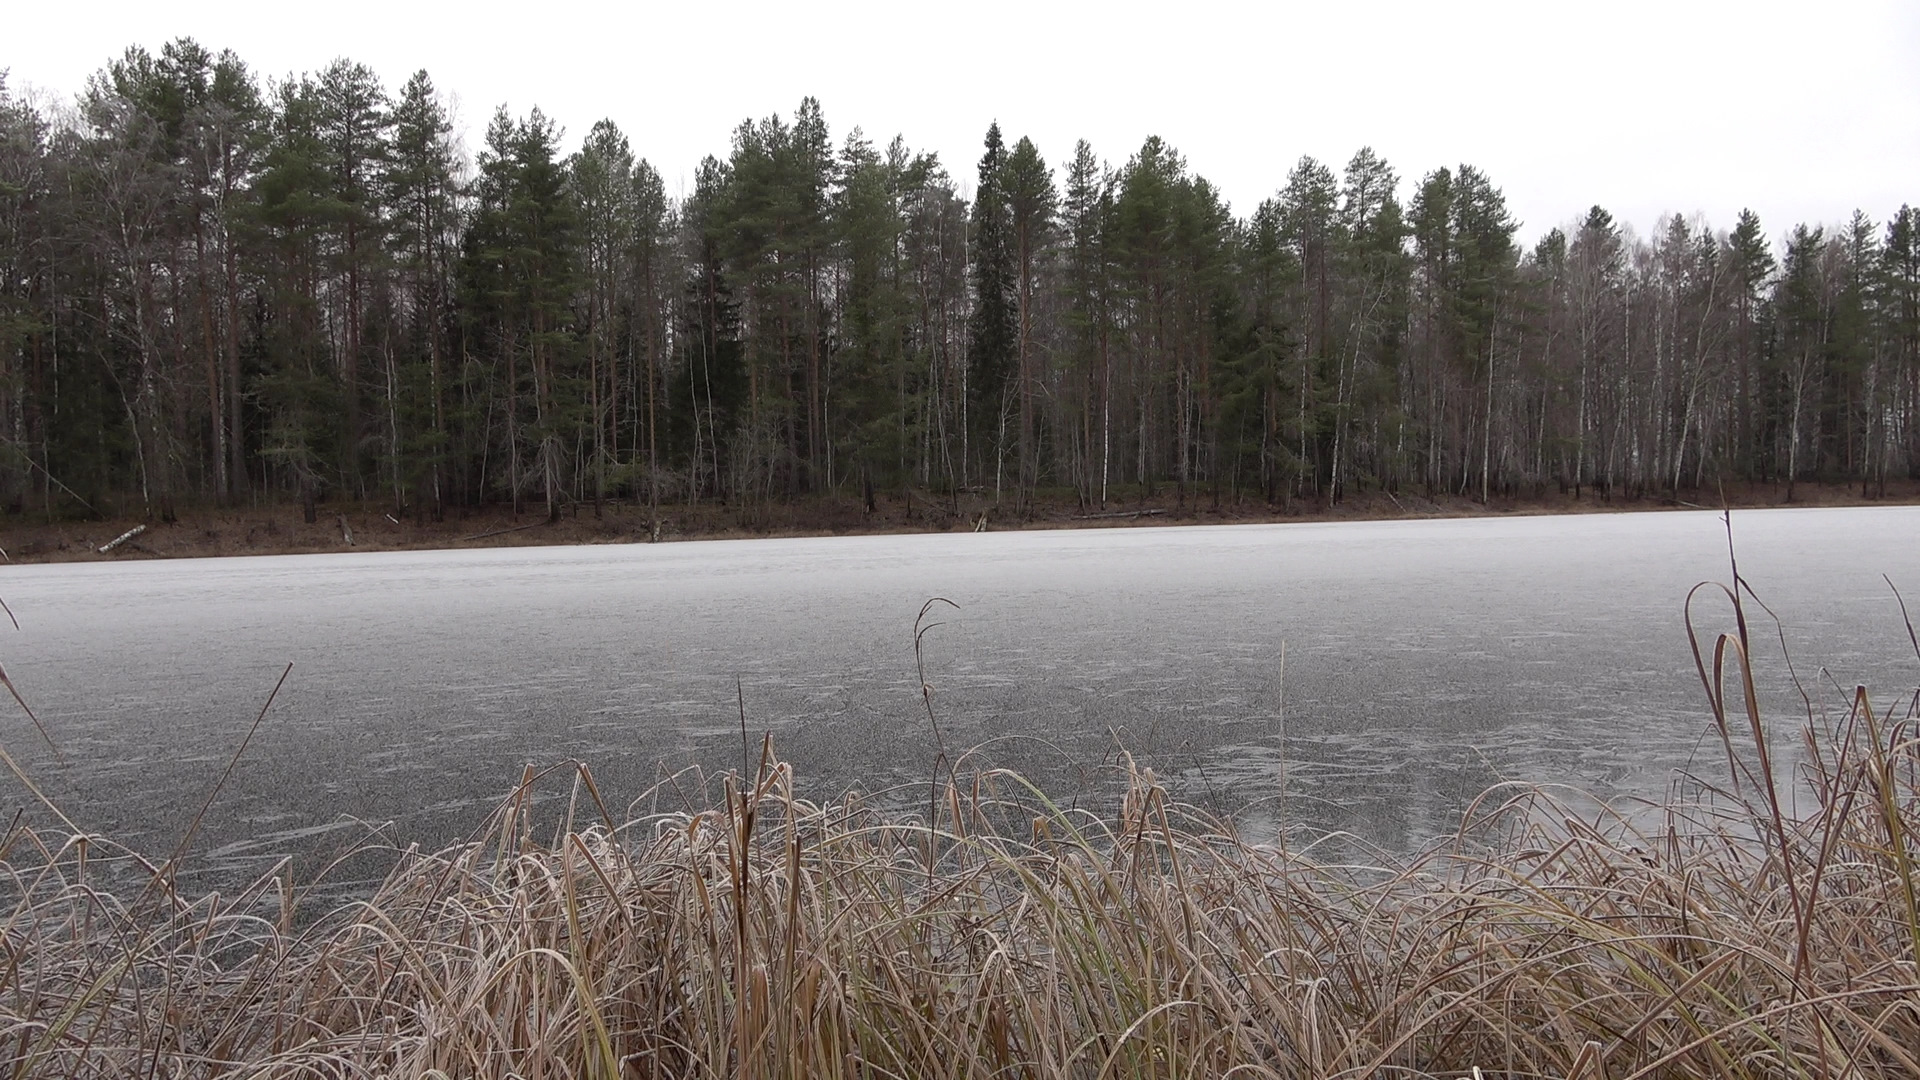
x: 1426, y: 660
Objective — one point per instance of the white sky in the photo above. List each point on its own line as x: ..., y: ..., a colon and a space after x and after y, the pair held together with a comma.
x: 1802, y: 111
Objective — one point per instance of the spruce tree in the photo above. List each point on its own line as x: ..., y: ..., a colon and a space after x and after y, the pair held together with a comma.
x: 1031, y: 201
x: 521, y: 278
x: 25, y: 194
x: 875, y: 312
x: 1900, y: 311
x: 1751, y: 262
x: 992, y: 326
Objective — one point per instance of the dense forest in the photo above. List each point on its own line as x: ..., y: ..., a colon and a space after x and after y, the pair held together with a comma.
x: 219, y: 289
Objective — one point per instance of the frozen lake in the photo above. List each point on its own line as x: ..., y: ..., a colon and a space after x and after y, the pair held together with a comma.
x: 1425, y: 661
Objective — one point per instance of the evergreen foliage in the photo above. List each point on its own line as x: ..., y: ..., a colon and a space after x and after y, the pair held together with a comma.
x: 218, y: 290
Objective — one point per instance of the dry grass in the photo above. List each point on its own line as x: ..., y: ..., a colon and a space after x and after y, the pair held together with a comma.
x: 999, y: 935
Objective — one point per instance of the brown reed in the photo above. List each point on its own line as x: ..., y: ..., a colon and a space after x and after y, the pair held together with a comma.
x: 1000, y: 935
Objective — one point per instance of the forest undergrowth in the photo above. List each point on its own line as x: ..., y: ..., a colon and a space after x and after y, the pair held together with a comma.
x: 1732, y: 931
x: 280, y: 528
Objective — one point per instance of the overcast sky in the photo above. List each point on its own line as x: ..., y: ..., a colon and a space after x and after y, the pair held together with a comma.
x: 1802, y: 111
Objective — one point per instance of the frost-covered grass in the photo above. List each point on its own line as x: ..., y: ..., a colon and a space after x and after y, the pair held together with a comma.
x: 996, y: 934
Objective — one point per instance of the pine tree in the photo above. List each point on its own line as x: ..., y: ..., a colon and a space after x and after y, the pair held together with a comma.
x: 130, y: 178
x: 603, y: 192
x: 1256, y: 402
x: 1087, y: 311
x: 228, y: 134
x: 715, y: 380
x: 649, y: 304
x: 1308, y: 207
x: 419, y: 188
x: 351, y: 122
x: 544, y: 225
x: 1373, y: 268
x: 811, y: 167
x: 297, y: 391
x: 1431, y: 216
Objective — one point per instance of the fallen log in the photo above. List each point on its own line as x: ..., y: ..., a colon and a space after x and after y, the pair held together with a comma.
x: 1119, y: 514
x: 122, y: 538
x: 501, y: 532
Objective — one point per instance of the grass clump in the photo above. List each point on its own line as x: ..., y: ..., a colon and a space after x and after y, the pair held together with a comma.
x: 1000, y: 935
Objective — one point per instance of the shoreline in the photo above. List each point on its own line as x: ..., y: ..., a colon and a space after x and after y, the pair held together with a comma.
x: 278, y: 528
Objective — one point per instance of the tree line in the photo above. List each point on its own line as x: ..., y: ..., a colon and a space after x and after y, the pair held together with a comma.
x: 219, y: 289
